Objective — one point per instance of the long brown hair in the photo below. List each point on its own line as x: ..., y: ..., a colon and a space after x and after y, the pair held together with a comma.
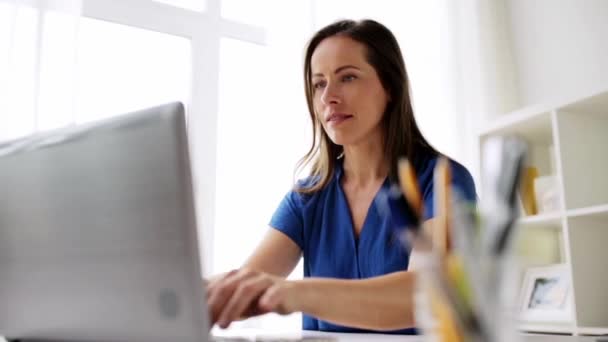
x: 401, y: 135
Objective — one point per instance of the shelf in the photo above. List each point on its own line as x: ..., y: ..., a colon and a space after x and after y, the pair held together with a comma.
x: 567, y: 140
x: 553, y: 218
x: 588, y: 234
x: 533, y: 126
x: 583, y: 142
x: 594, y: 104
x: 536, y: 130
x: 539, y: 239
x: 547, y: 328
x: 598, y: 210
x: 592, y: 331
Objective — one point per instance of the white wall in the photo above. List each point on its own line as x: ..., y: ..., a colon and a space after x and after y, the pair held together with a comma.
x: 516, y: 53
x: 560, y: 47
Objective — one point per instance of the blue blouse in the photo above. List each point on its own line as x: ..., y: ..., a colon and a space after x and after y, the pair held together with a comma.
x: 321, y: 225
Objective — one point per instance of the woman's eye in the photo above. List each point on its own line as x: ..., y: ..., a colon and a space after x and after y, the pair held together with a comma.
x: 319, y: 85
x: 348, y: 78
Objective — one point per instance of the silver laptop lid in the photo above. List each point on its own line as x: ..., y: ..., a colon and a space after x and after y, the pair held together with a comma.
x: 98, y: 237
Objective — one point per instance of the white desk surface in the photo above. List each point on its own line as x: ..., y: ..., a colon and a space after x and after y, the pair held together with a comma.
x: 284, y: 336
x: 272, y: 336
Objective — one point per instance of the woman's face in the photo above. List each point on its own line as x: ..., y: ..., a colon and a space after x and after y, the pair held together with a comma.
x: 348, y: 97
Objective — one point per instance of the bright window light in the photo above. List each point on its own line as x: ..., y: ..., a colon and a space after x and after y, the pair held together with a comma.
x: 121, y: 69
x: 195, y: 5
x: 242, y: 159
x: 262, y: 131
x: 18, y: 70
x: 57, y: 70
x: 257, y: 13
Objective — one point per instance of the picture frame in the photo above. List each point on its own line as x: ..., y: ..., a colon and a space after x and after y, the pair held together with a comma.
x: 547, y: 295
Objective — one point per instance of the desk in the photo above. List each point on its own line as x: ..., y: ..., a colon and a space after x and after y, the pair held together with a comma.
x: 264, y: 335
x: 252, y: 334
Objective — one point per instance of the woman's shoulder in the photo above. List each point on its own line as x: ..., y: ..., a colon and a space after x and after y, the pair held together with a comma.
x: 306, y: 182
x: 463, y: 180
x: 298, y: 191
x: 460, y: 175
x: 303, y: 192
x: 426, y: 164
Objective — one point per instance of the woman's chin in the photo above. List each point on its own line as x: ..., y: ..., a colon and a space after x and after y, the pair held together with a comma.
x: 342, y: 139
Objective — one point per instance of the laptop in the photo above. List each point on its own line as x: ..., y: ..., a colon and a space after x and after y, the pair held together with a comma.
x: 98, y: 237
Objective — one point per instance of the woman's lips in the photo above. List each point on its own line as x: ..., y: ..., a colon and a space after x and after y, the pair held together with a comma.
x: 338, y: 118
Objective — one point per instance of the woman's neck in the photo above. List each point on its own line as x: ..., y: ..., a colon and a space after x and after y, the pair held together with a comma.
x: 365, y: 163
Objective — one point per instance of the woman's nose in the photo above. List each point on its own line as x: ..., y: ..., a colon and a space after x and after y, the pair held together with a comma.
x: 330, y: 95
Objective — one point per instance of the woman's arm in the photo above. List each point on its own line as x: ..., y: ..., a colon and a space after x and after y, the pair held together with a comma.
x: 277, y: 254
x: 380, y: 303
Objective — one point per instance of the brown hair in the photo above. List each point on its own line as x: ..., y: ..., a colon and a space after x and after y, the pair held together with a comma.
x: 401, y: 135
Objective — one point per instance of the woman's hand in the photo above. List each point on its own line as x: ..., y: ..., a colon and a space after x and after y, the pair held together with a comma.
x: 245, y: 293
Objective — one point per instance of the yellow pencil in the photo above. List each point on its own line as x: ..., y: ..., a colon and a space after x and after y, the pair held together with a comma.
x: 441, y: 230
x: 409, y: 186
x: 447, y: 328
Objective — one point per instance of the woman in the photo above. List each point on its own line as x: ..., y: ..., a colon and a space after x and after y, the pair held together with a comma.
x: 356, y: 276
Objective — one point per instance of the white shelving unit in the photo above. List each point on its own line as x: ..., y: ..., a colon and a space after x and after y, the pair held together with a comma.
x: 568, y: 140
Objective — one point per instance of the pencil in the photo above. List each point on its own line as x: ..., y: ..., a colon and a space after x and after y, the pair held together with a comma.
x: 441, y: 230
x: 409, y: 186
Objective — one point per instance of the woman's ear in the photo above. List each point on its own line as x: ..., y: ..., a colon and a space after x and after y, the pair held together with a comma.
x: 389, y: 96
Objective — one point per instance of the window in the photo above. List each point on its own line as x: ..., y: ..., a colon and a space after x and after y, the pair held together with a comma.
x: 58, y: 58
x: 195, y: 5
x: 122, y: 68
x: 17, y: 87
x: 257, y: 13
x: 263, y: 130
x: 92, y: 59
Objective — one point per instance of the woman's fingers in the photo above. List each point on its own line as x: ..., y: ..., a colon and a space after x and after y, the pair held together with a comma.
x: 237, y: 295
x: 246, y: 295
x: 212, y: 283
x: 222, y: 291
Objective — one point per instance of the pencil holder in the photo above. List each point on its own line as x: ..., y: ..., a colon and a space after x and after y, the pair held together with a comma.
x: 429, y: 315
x: 448, y: 307
x: 501, y: 300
